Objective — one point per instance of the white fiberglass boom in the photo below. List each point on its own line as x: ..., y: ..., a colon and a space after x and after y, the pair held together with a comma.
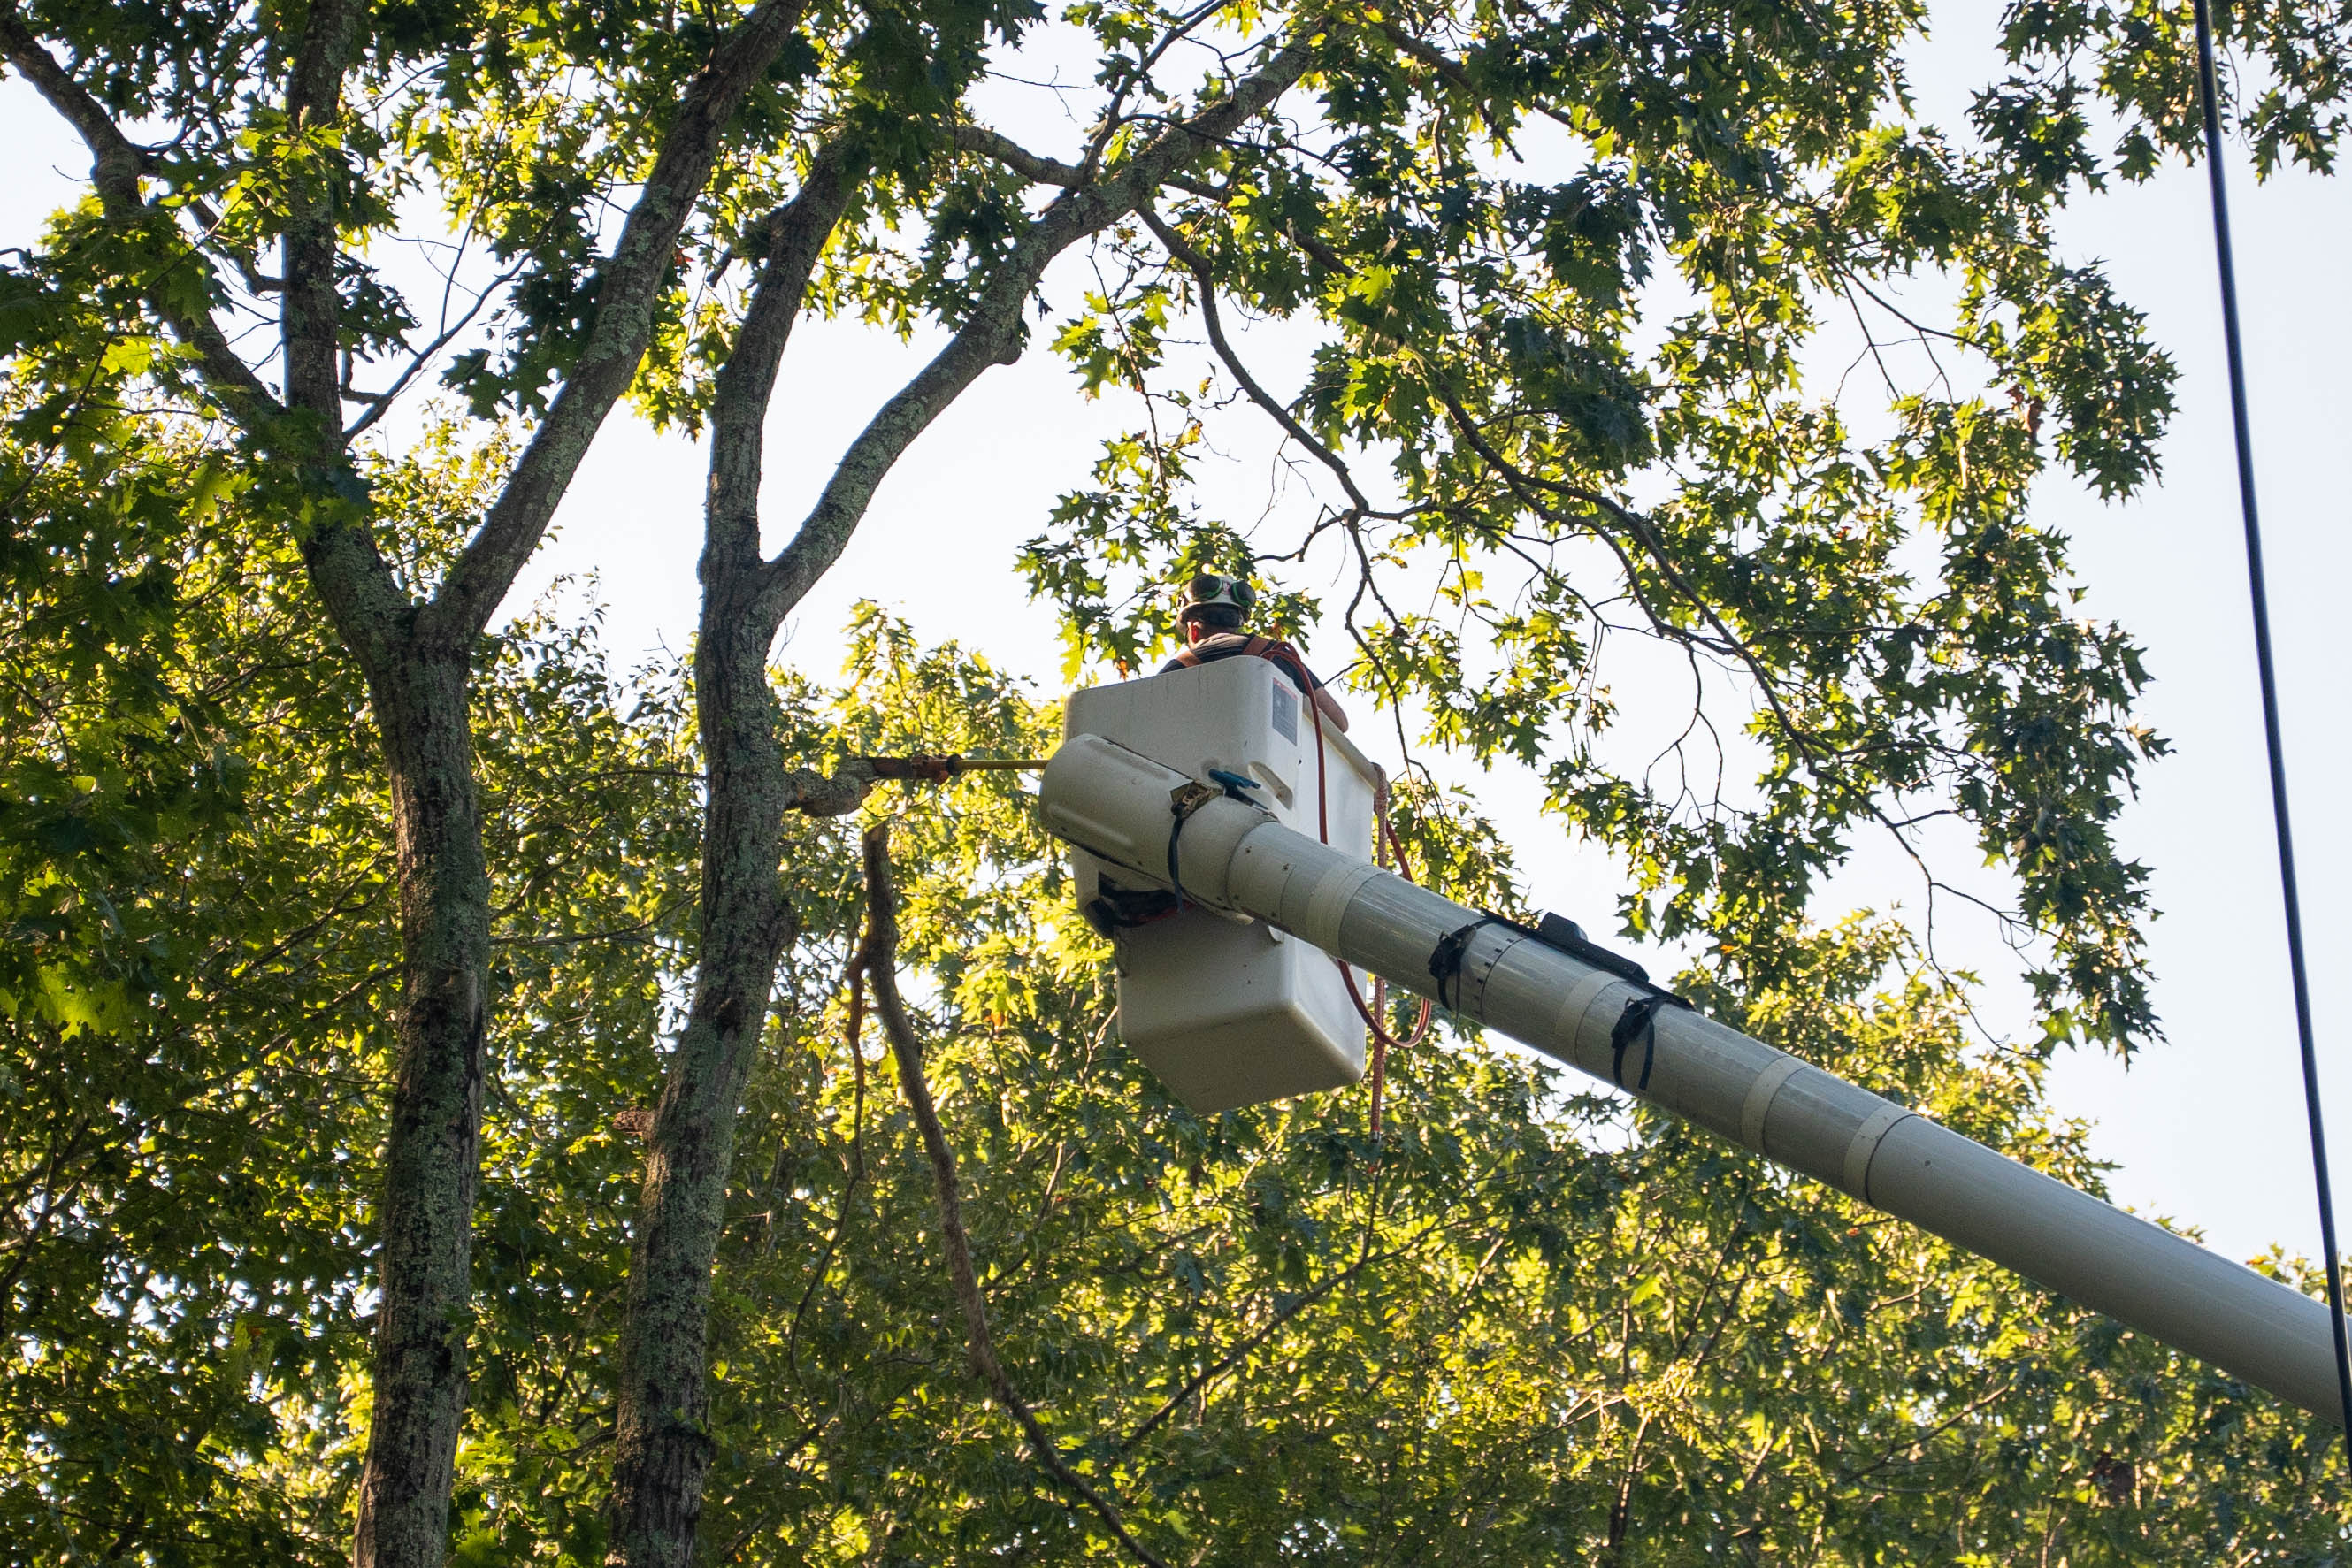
x: 1133, y: 812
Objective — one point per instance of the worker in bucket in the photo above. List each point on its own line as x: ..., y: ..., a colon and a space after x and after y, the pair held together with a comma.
x: 1215, y: 618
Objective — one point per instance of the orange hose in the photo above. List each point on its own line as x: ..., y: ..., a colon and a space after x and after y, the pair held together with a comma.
x: 1384, y: 841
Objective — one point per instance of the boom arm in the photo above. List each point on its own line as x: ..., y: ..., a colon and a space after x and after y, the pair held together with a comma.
x: 1121, y: 807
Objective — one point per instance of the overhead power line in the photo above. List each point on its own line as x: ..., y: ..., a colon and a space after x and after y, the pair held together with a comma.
x: 2266, y: 667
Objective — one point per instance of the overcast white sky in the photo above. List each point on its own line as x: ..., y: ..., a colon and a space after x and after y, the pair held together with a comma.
x: 2206, y: 1127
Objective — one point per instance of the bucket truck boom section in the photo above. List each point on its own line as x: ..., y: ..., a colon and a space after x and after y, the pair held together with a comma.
x: 1158, y: 825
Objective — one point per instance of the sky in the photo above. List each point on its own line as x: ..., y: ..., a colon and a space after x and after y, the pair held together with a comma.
x: 2206, y: 1126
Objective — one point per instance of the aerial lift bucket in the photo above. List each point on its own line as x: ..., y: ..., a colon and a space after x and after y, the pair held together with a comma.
x: 1228, y: 1009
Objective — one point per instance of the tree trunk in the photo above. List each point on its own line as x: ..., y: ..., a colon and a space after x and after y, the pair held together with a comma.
x: 433, y: 1150
x: 663, y: 1449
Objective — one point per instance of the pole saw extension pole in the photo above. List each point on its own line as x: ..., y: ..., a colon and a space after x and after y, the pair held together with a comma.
x: 1123, y: 808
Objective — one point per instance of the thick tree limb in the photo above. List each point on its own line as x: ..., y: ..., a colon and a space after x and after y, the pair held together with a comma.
x: 795, y: 235
x: 662, y: 1450
x: 116, y: 168
x: 881, y: 958
x: 626, y: 292
x: 993, y: 334
x: 1002, y: 149
x: 118, y: 164
x: 347, y: 566
x: 816, y: 794
x: 308, y: 321
x: 315, y: 90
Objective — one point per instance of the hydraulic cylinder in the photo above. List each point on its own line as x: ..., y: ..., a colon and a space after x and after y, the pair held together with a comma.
x: 1230, y: 854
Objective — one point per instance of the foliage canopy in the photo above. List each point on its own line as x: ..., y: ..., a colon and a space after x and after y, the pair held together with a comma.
x: 357, y: 936
x: 1529, y: 1329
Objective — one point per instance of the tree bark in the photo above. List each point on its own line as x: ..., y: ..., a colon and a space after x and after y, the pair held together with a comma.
x: 433, y: 1149
x: 418, y: 659
x: 415, y: 657
x: 663, y: 1448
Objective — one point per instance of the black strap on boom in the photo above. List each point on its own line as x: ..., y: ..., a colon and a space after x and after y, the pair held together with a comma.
x: 1189, y: 796
x: 1445, y: 958
x: 1638, y: 1021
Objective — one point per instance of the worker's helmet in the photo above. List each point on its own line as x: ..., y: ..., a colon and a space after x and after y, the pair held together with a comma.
x: 1222, y: 603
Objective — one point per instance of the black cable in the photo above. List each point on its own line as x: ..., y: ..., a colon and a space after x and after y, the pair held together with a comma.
x: 2211, y: 103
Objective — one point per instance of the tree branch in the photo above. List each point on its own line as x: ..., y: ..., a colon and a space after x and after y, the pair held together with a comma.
x: 795, y: 235
x: 1249, y: 1342
x: 256, y: 282
x: 626, y: 290
x: 1818, y: 760
x: 837, y: 794
x: 310, y: 313
x: 853, y: 976
x: 1114, y: 112
x: 881, y: 959
x: 380, y: 404
x: 116, y: 168
x: 1002, y: 149
x: 993, y: 334
x: 1198, y: 266
x: 352, y: 577
x: 117, y: 164
x: 1457, y: 75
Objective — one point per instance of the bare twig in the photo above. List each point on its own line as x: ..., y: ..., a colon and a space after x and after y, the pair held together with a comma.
x: 882, y: 940
x: 1249, y: 1342
x: 382, y: 402
x: 1114, y: 115
x: 573, y: 938
x: 1193, y: 261
x: 852, y: 976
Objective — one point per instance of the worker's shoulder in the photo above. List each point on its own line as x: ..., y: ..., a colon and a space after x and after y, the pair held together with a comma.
x: 1207, y: 651
x: 1219, y: 645
x: 1240, y: 645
